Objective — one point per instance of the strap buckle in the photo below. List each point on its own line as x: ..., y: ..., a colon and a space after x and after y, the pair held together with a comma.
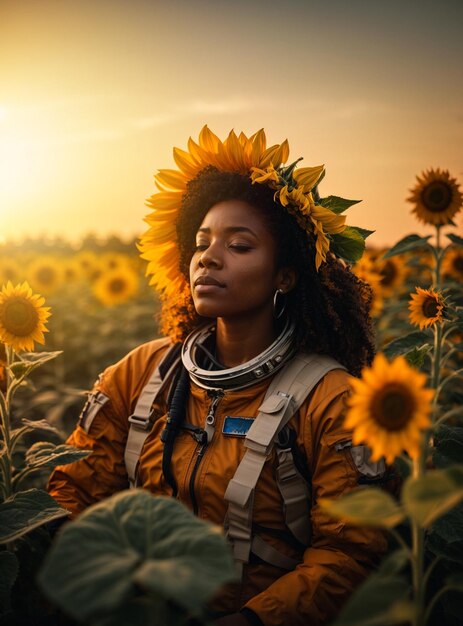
x: 141, y: 422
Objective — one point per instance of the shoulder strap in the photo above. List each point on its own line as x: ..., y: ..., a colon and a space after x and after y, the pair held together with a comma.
x: 140, y: 420
x: 286, y: 393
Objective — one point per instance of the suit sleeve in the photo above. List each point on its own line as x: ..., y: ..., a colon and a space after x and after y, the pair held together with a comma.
x: 340, y: 556
x: 78, y: 485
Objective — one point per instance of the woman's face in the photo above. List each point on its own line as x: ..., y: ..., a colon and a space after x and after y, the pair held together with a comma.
x: 232, y: 271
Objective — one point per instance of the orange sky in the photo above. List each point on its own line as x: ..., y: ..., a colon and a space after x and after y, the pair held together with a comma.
x: 94, y: 94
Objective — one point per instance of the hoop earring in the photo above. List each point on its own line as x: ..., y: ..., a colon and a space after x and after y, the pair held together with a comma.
x: 277, y: 315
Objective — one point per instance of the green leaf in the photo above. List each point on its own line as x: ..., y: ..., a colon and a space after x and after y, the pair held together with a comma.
x: 380, y: 601
x: 363, y: 232
x: 9, y: 568
x: 336, y: 204
x: 410, y: 242
x: 144, y: 611
x: 47, y: 454
x: 30, y: 360
x: 404, y: 344
x: 25, y: 511
x: 417, y: 356
x: 350, y: 245
x: 448, y: 448
x: 135, y: 542
x: 455, y: 581
x: 365, y: 507
x: 394, y: 563
x: 430, y: 496
x: 446, y: 535
x: 40, y: 425
x: 455, y: 239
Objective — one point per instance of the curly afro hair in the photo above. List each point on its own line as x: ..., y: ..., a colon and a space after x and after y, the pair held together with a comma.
x: 330, y: 307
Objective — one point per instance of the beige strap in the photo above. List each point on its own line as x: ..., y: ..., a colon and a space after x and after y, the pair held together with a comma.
x: 95, y: 402
x: 295, y: 493
x: 269, y: 554
x: 140, y: 420
x: 285, y: 394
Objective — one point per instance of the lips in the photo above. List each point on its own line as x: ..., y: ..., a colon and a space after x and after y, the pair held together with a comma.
x: 206, y: 279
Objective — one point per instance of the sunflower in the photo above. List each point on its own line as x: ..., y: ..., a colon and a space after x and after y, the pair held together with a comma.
x: 388, y: 408
x: 10, y: 270
x: 22, y: 317
x: 245, y: 155
x: 87, y: 261
x: 366, y: 270
x: 71, y: 271
x: 436, y: 197
x: 116, y: 286
x: 114, y: 260
x: 45, y: 274
x: 452, y: 264
x: 393, y: 274
x: 426, y: 307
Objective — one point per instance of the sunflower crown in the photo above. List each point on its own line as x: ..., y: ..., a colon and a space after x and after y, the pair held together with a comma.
x: 295, y: 189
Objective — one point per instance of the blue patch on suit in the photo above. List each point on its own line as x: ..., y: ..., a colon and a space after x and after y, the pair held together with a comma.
x: 236, y: 426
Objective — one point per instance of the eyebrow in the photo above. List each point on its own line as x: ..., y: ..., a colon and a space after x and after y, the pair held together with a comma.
x: 229, y: 229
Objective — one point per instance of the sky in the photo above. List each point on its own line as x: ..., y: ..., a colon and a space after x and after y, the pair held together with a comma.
x: 94, y: 95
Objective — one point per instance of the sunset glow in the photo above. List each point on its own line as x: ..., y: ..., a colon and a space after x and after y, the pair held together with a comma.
x: 95, y: 95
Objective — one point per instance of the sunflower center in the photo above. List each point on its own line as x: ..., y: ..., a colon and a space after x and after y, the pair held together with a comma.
x: 19, y: 317
x: 116, y: 285
x: 46, y: 275
x: 10, y: 274
x: 458, y: 264
x: 430, y: 307
x: 388, y: 273
x: 393, y: 406
x: 437, y: 196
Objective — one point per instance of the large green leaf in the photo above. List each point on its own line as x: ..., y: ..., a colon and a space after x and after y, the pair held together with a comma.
x: 446, y: 535
x: 144, y: 611
x: 448, y: 446
x: 349, y: 244
x: 366, y: 507
x: 47, y: 454
x: 363, y: 232
x: 25, y: 511
x: 9, y: 568
x: 135, y: 542
x: 430, y: 496
x: 402, y: 345
x: 336, y: 204
x: 417, y: 356
x: 40, y: 425
x: 410, y: 242
x: 380, y: 601
x: 30, y: 360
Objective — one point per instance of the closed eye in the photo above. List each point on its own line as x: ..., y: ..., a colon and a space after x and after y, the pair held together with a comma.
x: 238, y: 247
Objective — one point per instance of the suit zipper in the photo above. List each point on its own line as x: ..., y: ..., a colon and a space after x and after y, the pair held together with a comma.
x: 204, y: 437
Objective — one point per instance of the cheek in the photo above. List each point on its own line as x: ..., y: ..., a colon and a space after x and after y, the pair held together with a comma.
x: 193, y: 265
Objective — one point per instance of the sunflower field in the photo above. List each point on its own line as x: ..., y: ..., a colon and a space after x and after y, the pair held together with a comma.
x: 67, y: 313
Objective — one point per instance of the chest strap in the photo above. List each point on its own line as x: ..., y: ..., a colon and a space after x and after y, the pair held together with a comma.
x: 286, y: 393
x: 141, y: 419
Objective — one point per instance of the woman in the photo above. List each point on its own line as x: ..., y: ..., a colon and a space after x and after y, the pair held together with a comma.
x: 243, y: 251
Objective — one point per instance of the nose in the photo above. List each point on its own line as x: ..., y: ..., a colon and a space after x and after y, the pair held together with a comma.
x: 210, y: 257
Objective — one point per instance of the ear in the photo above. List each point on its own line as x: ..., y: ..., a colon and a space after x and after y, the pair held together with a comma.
x: 286, y: 279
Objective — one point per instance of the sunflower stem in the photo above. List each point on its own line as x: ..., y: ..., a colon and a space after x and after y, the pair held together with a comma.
x: 451, y: 413
x: 418, y: 549
x: 455, y: 374
x: 7, y: 456
x: 437, y: 276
